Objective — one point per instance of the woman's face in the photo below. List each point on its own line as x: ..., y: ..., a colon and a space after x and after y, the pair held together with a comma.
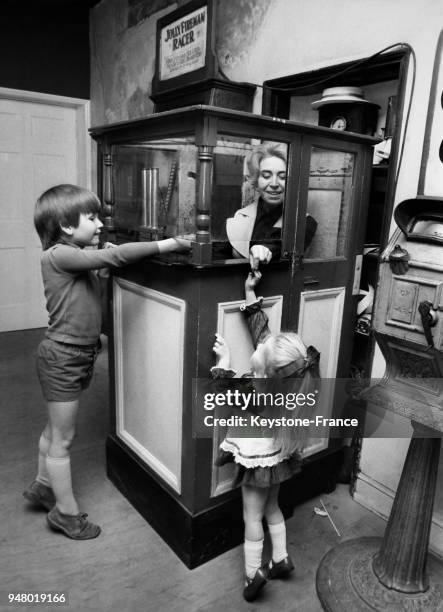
x: 272, y: 180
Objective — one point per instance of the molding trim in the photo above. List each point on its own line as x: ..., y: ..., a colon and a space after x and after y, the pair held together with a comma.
x: 337, y: 296
x: 334, y: 298
x: 42, y: 98
x: 120, y: 286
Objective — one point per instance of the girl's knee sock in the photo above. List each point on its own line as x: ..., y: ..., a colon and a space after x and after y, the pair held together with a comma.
x: 253, y: 552
x: 277, y: 531
x: 59, y: 470
x: 42, y: 471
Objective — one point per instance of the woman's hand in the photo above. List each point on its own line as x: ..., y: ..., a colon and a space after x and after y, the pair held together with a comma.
x: 221, y: 349
x: 259, y: 254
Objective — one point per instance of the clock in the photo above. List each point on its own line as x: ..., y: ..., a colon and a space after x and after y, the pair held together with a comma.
x: 350, y: 116
x: 339, y: 123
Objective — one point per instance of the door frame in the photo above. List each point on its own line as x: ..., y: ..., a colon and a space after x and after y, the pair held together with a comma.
x: 82, y: 107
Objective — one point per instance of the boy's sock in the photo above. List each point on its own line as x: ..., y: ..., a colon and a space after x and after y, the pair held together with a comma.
x: 253, y: 552
x: 59, y: 470
x: 277, y: 532
x: 42, y: 471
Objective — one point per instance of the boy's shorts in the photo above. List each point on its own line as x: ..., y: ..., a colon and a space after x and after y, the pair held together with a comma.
x: 64, y: 370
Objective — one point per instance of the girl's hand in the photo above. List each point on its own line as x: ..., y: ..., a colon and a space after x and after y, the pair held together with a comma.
x: 252, y: 280
x: 221, y: 349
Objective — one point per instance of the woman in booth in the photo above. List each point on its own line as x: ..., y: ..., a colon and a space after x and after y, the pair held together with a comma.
x: 254, y: 231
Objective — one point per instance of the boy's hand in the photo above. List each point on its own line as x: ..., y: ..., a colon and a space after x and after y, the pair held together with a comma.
x: 221, y: 349
x: 252, y: 280
x: 170, y: 245
x: 184, y: 242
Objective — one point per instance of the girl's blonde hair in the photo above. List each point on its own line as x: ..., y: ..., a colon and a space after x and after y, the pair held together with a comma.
x: 288, y: 357
x: 61, y: 206
x: 286, y: 348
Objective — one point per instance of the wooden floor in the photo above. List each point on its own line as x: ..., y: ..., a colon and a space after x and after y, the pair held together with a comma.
x: 128, y: 568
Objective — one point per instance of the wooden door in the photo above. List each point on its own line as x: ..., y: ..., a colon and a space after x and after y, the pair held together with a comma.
x: 38, y: 149
x: 325, y: 276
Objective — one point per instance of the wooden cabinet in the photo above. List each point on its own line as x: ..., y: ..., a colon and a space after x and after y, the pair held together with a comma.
x: 165, y: 311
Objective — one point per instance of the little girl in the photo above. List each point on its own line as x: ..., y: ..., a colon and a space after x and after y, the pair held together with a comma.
x: 264, y: 462
x: 66, y: 219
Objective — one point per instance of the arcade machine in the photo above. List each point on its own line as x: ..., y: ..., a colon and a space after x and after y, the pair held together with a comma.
x: 396, y: 572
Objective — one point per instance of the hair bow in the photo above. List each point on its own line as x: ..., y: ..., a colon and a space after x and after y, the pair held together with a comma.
x: 298, y: 367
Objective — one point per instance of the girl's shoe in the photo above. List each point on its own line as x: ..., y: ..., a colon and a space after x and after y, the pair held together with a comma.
x: 280, y: 569
x: 40, y: 495
x: 74, y: 526
x: 254, y: 585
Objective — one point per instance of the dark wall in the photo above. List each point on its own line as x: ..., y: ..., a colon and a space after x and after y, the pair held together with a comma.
x: 44, y: 47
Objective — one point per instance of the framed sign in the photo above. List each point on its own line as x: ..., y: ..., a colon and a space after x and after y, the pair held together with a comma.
x: 184, y: 50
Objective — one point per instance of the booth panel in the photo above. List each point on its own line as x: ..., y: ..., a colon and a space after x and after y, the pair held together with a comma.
x: 320, y: 325
x: 148, y: 344
x: 231, y: 325
x: 320, y: 322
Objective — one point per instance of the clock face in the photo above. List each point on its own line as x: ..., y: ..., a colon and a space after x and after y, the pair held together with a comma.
x: 338, y: 123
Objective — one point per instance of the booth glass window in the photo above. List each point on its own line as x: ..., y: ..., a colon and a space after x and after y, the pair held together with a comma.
x: 155, y: 185
x: 329, y: 198
x: 247, y: 193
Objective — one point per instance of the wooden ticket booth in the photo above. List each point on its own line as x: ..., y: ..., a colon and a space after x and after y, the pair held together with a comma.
x: 183, y: 172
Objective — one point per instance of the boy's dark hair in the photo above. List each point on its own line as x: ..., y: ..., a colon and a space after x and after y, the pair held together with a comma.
x: 62, y: 205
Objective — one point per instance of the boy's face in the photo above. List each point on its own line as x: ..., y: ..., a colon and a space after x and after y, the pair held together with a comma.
x: 87, y: 231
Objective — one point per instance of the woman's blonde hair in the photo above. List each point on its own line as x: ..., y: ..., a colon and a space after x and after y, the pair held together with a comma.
x: 61, y: 206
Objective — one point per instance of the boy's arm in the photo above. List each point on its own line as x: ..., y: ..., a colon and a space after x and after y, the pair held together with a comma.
x: 73, y: 259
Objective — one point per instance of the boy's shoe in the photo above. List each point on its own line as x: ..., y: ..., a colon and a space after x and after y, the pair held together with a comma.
x: 74, y: 526
x: 280, y: 569
x: 254, y: 585
x: 40, y: 495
